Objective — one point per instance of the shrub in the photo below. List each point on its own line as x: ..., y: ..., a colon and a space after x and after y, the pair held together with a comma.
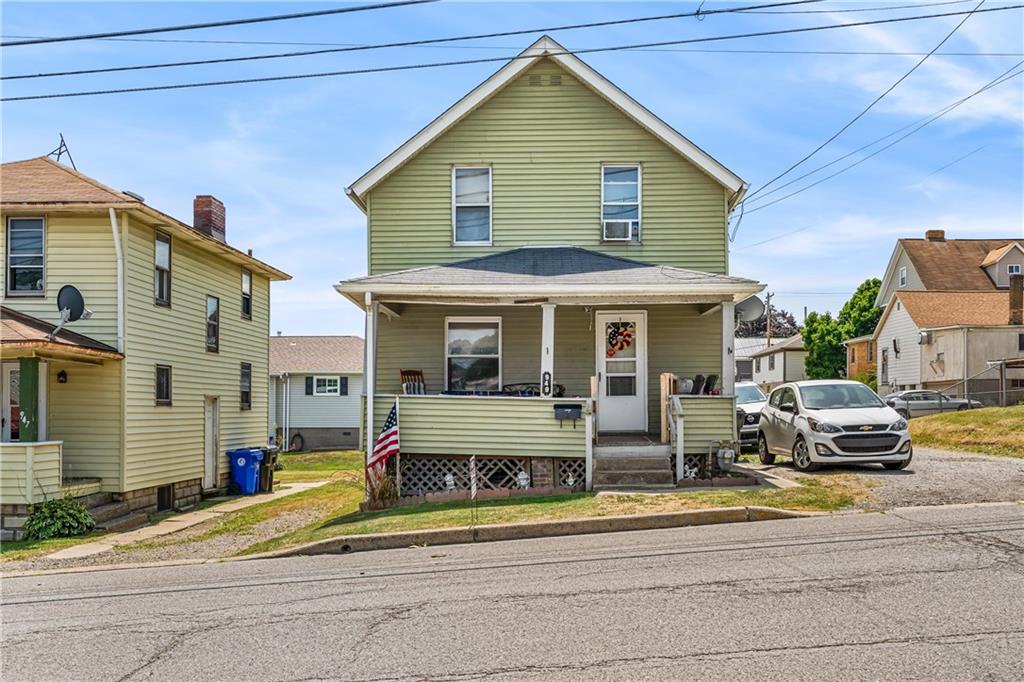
x: 867, y: 378
x: 59, y: 518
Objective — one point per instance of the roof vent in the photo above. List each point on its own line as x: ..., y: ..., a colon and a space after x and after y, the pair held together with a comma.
x: 555, y: 79
x: 935, y: 235
x: 133, y: 195
x: 534, y: 79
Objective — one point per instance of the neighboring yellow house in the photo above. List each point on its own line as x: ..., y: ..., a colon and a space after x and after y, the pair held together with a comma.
x: 546, y: 249
x: 135, y: 406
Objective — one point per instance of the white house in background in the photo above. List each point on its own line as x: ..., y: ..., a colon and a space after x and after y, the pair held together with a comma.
x: 780, y: 362
x: 744, y: 349
x: 315, y: 388
x: 945, y: 339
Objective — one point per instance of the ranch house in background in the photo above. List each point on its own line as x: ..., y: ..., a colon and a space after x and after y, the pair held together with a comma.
x: 540, y: 255
x: 132, y: 409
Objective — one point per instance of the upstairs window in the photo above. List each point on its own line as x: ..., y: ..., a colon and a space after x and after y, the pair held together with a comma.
x: 25, y: 257
x: 1013, y: 269
x: 471, y: 205
x: 245, y: 387
x: 903, y: 277
x: 213, y: 324
x: 246, y: 294
x: 620, y: 203
x: 163, y: 385
x: 162, y: 269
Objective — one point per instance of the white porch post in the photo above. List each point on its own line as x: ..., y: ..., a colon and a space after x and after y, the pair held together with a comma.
x: 728, y: 341
x: 370, y: 372
x: 547, y: 350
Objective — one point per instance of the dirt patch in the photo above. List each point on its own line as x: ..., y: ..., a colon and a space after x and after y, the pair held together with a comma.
x: 934, y: 477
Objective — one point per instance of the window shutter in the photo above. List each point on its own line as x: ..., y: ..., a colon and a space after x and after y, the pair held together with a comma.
x: 343, y: 386
x: 309, y: 385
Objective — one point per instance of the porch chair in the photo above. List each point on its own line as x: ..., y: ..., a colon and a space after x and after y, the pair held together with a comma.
x: 709, y: 385
x: 413, y: 382
x: 698, y: 385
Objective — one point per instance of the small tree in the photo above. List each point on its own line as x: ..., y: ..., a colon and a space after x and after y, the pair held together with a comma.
x: 823, y: 341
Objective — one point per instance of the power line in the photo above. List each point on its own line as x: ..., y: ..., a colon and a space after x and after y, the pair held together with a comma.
x: 215, y: 24
x: 993, y: 84
x: 406, y: 43
x: 864, y: 111
x: 408, y: 67
x: 952, y: 163
x: 864, y: 9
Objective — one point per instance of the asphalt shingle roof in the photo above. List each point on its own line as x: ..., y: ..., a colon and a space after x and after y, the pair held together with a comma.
x: 310, y: 354
x: 956, y: 308
x: 953, y: 264
x: 795, y: 342
x: 44, y: 181
x: 19, y: 328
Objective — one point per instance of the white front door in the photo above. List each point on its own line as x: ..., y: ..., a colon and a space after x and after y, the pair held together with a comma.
x: 211, y: 416
x: 622, y: 370
x: 11, y: 411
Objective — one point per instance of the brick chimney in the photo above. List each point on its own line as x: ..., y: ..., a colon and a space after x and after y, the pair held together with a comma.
x: 208, y: 216
x: 935, y: 235
x: 1016, y: 299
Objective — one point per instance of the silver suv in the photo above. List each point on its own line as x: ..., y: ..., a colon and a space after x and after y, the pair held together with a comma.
x: 832, y: 422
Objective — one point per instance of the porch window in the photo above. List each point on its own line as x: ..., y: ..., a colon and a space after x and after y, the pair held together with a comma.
x: 245, y: 387
x: 25, y: 257
x: 163, y: 384
x: 246, y: 294
x: 473, y: 353
x: 471, y: 204
x: 620, y: 203
x: 162, y: 269
x: 213, y: 324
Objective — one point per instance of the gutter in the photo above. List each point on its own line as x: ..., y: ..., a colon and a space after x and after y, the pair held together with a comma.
x: 119, y: 256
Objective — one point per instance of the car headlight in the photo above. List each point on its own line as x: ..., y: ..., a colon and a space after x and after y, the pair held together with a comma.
x: 822, y: 427
x: 752, y: 419
x: 899, y: 425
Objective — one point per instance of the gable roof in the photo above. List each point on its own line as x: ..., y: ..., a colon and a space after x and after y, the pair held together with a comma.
x: 795, y: 342
x: 995, y: 255
x: 313, y: 354
x: 550, y: 271
x: 931, y: 309
x: 44, y: 181
x: 952, y: 264
x: 18, y: 330
x: 546, y: 48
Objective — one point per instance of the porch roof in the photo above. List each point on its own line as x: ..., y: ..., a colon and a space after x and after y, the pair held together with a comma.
x: 533, y: 274
x: 22, y: 334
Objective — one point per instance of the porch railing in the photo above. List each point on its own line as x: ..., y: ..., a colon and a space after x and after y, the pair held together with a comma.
x: 30, y: 472
x: 696, y: 421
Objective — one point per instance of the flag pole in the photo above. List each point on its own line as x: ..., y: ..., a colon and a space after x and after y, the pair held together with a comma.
x: 398, y: 455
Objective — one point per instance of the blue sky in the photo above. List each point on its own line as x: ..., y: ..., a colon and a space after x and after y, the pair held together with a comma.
x: 280, y: 154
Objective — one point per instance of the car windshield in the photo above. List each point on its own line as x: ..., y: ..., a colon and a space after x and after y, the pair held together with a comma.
x: 838, y: 396
x: 749, y: 394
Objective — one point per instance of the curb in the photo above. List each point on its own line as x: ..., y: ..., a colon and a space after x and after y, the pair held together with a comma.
x: 540, y: 529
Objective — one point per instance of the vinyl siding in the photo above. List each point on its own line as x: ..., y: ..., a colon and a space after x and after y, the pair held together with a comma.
x: 79, y: 250
x: 507, y: 427
x: 795, y: 365
x: 165, y: 444
x: 85, y: 413
x: 545, y: 144
x: 319, y: 411
x: 15, y: 484
x: 906, y: 369
x: 892, y: 284
x: 680, y: 340
x: 707, y: 419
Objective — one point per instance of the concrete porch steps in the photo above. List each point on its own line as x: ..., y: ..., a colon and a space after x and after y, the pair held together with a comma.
x: 641, y: 467
x: 117, y: 517
x: 112, y: 510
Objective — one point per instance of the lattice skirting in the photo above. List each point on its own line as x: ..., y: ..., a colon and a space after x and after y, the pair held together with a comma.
x: 423, y: 474
x: 575, y: 469
x: 695, y: 466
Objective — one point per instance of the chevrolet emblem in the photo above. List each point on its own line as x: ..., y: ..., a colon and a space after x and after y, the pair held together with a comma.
x: 867, y: 427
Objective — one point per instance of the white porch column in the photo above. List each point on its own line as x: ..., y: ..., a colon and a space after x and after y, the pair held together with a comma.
x: 547, y: 350
x: 728, y: 341
x: 370, y: 372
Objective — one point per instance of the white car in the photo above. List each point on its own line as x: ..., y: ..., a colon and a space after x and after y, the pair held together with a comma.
x: 749, y: 403
x: 832, y: 422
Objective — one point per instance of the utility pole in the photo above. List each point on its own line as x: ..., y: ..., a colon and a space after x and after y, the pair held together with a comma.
x: 768, y: 312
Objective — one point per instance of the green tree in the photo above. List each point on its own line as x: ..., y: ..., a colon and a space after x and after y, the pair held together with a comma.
x: 858, y: 316
x: 823, y: 341
x: 783, y: 326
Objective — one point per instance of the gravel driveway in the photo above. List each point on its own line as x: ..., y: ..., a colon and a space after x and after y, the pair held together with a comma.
x: 934, y: 477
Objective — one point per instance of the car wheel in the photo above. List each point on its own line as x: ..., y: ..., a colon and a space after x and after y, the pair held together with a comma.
x: 802, y: 456
x: 961, y: 408
x: 762, y: 451
x: 903, y: 413
x: 898, y: 466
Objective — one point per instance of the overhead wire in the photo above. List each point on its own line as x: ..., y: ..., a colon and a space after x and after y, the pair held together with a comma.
x: 482, y: 60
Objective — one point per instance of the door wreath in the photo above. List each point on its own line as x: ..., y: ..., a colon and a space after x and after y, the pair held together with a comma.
x: 620, y: 337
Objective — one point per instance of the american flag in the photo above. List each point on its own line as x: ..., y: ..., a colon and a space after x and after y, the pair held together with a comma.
x: 387, y: 442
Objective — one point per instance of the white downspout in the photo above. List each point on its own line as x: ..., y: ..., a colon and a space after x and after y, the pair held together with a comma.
x: 119, y: 256
x: 287, y: 418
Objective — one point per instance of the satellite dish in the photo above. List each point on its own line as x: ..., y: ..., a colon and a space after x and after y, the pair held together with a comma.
x: 750, y: 309
x: 71, y: 305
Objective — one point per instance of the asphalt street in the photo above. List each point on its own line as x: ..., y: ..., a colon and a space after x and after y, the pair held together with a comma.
x: 926, y: 593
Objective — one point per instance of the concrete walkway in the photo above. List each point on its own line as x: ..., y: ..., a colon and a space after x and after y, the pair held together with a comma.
x: 178, y: 522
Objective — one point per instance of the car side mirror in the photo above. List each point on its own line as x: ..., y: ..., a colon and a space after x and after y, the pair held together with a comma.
x: 890, y: 403
x: 788, y: 407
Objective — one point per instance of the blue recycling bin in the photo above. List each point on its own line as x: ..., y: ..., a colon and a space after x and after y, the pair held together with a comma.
x: 245, y: 469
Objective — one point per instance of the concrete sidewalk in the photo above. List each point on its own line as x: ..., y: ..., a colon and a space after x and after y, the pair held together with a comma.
x: 178, y: 522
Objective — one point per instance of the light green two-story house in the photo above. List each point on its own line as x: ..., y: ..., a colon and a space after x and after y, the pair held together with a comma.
x: 134, y: 406
x: 541, y: 254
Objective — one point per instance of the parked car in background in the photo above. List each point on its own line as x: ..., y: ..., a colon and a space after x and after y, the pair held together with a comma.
x: 832, y: 422
x: 750, y: 400
x: 919, y: 403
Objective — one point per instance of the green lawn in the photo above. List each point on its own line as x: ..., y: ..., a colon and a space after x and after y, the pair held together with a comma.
x: 317, y: 466
x: 989, y: 430
x: 17, y: 550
